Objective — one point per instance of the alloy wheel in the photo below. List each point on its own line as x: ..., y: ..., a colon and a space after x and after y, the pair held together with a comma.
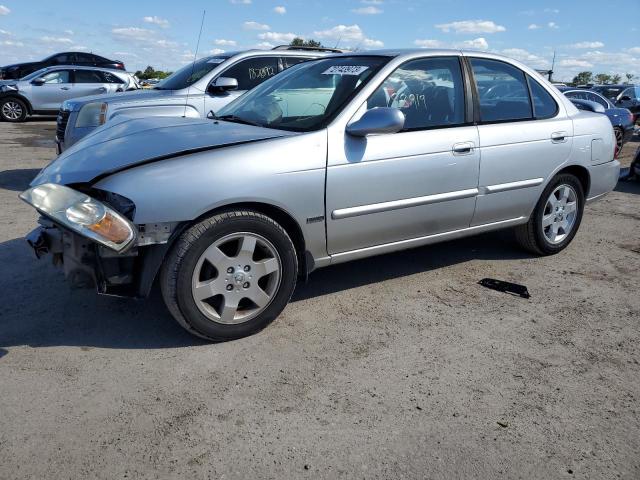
x: 236, y: 278
x: 12, y: 110
x: 619, y: 136
x: 560, y: 213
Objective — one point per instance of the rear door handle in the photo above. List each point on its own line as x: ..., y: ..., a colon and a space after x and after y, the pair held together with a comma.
x: 559, y: 137
x: 463, y: 148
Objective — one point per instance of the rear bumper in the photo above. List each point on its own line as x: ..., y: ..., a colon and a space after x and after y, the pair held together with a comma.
x: 604, y: 178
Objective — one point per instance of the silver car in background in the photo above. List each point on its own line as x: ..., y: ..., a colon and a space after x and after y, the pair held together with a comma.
x: 43, y: 92
x: 193, y: 91
x: 332, y: 160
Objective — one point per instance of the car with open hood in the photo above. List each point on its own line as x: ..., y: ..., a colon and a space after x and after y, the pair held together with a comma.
x: 332, y: 160
x: 195, y: 90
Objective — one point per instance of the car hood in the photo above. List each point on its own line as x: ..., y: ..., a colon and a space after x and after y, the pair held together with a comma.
x: 130, y: 142
x: 123, y: 97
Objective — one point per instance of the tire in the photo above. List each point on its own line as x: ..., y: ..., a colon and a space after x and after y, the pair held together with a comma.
x: 200, y: 263
x: 619, y: 140
x: 13, y: 109
x: 539, y: 239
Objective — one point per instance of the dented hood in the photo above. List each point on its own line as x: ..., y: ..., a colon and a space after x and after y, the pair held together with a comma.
x: 130, y: 142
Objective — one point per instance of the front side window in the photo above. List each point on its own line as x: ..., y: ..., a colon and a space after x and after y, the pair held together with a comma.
x: 629, y: 92
x: 502, y: 91
x: 64, y: 58
x: 252, y: 72
x: 429, y: 91
x: 305, y: 97
x: 544, y: 106
x: 88, y: 76
x: 190, y: 74
x: 59, y: 76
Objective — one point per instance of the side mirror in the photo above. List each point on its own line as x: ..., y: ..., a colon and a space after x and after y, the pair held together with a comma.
x: 222, y: 84
x: 38, y: 82
x: 377, y: 121
x: 626, y: 98
x: 588, y: 105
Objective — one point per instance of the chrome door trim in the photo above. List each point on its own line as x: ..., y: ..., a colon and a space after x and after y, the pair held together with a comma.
x: 504, y: 187
x: 417, y: 242
x: 404, y: 203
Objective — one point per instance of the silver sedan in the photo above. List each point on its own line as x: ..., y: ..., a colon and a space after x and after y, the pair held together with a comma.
x: 333, y: 160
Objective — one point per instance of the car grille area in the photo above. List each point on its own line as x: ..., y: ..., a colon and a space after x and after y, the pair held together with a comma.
x: 61, y: 124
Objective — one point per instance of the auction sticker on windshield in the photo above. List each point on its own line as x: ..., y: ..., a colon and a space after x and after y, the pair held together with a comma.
x: 345, y: 70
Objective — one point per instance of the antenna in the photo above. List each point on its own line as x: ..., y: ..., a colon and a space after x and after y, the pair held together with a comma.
x: 338, y: 42
x: 553, y: 64
x: 193, y: 65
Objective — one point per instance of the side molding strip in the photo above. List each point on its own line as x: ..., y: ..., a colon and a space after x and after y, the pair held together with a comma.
x: 405, y: 203
x: 504, y: 187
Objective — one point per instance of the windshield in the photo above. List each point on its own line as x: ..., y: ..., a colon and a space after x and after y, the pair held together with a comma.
x: 305, y: 97
x: 190, y: 74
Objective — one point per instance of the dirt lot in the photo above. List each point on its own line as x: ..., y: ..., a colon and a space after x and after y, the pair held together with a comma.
x: 393, y: 367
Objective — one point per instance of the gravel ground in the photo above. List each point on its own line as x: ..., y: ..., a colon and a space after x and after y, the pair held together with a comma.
x: 394, y: 367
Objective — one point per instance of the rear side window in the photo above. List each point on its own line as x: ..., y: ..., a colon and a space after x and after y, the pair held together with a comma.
x: 89, y: 76
x: 252, y: 72
x: 111, y: 78
x: 429, y: 91
x: 544, y: 106
x: 502, y: 91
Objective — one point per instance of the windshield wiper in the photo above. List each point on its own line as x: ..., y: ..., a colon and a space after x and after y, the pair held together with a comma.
x: 236, y: 119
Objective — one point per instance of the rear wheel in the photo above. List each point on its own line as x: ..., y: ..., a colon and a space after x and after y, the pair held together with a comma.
x: 619, y: 140
x: 229, y: 275
x: 13, y: 110
x: 556, y: 217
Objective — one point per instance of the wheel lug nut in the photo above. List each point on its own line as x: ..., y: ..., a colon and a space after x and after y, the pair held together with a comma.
x: 246, y: 285
x: 229, y: 287
x: 230, y: 270
x: 247, y: 268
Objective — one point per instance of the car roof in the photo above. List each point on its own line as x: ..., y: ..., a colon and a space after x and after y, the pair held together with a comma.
x: 615, y: 85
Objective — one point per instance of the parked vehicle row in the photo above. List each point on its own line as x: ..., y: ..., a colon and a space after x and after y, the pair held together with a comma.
x: 331, y: 160
x: 193, y: 91
x: 43, y: 91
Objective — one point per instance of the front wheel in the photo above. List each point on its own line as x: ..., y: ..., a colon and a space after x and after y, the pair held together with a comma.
x: 556, y: 217
x: 619, y: 140
x: 230, y: 275
x: 13, y: 110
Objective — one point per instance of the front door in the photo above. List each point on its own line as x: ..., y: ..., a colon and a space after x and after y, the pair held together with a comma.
x: 418, y: 182
x: 57, y: 88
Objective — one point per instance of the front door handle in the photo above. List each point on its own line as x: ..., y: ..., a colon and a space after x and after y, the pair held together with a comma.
x: 559, y: 137
x: 64, y: 88
x: 463, y: 148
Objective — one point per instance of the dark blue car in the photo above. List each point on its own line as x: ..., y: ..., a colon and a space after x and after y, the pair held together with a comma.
x: 622, y: 119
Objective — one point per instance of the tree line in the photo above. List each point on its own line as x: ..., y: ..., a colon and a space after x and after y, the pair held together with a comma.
x: 585, y: 78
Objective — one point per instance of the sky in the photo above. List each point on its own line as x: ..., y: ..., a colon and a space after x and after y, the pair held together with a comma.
x: 603, y: 37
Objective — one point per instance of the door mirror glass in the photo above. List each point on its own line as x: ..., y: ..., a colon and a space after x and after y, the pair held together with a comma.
x: 222, y: 84
x: 377, y: 121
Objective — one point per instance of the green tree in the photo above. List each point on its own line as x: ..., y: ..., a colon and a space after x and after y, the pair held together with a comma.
x: 630, y: 77
x: 583, y: 78
x: 602, y: 78
x: 301, y: 42
x: 616, y: 78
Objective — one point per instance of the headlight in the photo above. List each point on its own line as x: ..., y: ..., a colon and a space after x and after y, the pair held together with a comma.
x: 92, y: 115
x: 82, y: 214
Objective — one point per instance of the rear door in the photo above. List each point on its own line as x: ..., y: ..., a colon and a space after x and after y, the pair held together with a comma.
x: 91, y: 82
x: 56, y: 89
x: 524, y: 137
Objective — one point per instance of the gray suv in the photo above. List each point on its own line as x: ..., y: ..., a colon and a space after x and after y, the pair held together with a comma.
x: 193, y: 91
x: 44, y: 91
